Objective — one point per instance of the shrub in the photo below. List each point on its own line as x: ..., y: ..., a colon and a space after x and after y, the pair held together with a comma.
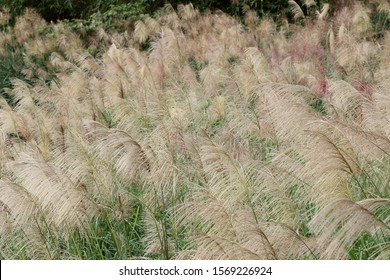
x: 56, y: 9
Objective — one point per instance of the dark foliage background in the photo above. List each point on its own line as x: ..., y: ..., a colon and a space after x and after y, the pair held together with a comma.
x: 82, y: 9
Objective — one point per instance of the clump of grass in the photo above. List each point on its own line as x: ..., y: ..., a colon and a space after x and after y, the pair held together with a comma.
x: 11, y: 67
x: 204, y: 146
x: 196, y: 66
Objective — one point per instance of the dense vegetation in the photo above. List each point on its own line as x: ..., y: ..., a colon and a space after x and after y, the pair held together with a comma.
x: 196, y: 135
x: 70, y: 9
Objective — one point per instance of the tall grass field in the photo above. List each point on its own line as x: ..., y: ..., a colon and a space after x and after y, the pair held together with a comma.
x: 192, y: 135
